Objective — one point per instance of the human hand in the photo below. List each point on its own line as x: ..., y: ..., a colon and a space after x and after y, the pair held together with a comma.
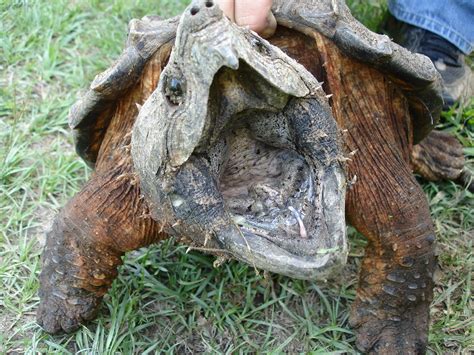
x: 255, y: 14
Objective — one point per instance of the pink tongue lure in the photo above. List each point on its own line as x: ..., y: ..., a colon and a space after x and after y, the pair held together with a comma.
x: 303, y: 233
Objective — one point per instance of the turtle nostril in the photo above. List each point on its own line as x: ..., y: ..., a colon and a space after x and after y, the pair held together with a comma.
x: 209, y: 4
x: 194, y: 10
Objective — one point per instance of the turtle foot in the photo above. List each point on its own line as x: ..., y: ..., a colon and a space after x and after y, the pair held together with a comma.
x: 58, y: 314
x: 439, y: 156
x: 377, y: 332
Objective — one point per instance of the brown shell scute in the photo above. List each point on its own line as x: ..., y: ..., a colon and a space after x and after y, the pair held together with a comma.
x: 415, y: 73
x: 91, y: 115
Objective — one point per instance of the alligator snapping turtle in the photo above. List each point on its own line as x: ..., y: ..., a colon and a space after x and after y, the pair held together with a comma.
x: 236, y: 151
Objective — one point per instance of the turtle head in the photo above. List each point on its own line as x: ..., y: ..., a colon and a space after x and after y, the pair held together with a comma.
x: 209, y: 165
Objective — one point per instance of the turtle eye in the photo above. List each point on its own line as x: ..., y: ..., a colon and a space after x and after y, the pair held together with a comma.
x: 175, y: 86
x: 174, y: 90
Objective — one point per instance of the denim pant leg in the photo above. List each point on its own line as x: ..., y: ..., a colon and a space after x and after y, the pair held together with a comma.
x: 450, y: 19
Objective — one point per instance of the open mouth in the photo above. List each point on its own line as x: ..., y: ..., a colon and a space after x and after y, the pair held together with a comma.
x: 238, y: 153
x: 286, y: 209
x: 267, y: 190
x: 267, y: 187
x: 288, y: 221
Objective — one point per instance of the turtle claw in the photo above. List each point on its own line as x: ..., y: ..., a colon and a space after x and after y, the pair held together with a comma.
x: 440, y: 156
x: 378, y: 333
x: 56, y: 315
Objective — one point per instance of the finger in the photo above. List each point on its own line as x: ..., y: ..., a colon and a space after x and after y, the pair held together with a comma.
x: 227, y: 6
x: 271, y: 26
x: 253, y: 13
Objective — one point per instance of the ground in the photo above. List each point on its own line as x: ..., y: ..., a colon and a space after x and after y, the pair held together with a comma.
x: 166, y: 299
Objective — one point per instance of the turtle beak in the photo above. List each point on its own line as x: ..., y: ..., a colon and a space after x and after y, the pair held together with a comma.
x: 229, y: 57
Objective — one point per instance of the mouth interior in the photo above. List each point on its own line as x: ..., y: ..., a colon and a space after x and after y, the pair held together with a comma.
x: 268, y: 191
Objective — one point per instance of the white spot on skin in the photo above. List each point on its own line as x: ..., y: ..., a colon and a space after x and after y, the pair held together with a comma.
x: 176, y: 201
x: 239, y: 219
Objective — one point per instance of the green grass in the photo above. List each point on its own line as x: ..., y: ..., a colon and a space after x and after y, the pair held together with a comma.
x: 166, y: 299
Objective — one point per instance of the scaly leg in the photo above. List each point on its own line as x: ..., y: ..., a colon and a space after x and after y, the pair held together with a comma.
x: 85, y: 245
x: 390, y: 314
x: 387, y: 205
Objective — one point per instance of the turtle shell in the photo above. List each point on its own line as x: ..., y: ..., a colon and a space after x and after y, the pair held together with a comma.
x: 414, y: 73
x: 89, y: 117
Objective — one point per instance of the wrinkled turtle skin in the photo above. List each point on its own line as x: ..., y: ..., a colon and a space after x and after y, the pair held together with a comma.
x: 204, y: 131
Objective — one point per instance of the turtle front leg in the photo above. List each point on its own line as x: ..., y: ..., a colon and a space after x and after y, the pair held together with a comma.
x: 391, y: 310
x: 84, y: 248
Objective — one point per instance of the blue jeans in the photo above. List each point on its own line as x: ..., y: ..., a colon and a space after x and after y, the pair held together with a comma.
x: 451, y: 19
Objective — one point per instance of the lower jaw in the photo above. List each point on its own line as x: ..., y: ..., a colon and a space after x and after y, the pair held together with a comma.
x: 262, y: 253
